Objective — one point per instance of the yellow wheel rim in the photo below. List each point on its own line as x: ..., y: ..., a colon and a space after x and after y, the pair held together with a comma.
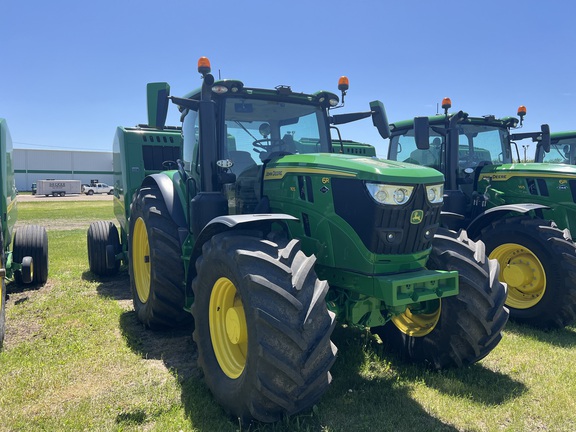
x: 417, y: 324
x: 524, y: 274
x: 228, y: 330
x: 141, y: 260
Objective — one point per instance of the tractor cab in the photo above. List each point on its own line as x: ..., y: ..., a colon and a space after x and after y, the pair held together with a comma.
x: 257, y: 127
x: 465, y: 149
x: 562, y: 149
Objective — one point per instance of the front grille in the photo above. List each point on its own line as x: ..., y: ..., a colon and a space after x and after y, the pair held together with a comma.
x: 386, y: 229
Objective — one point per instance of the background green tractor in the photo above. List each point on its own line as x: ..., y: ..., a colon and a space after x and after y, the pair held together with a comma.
x: 521, y: 211
x: 562, y: 149
x: 249, y: 218
x: 23, y: 252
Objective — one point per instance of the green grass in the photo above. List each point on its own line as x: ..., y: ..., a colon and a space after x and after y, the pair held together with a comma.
x: 75, y: 358
x: 78, y: 213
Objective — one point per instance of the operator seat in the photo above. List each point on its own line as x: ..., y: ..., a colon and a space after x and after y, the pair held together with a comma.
x: 289, y: 145
x: 428, y: 157
x: 242, y: 161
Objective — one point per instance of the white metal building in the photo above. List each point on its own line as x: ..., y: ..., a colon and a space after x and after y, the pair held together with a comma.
x: 32, y: 165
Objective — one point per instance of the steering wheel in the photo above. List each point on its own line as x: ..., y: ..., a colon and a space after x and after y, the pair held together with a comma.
x: 169, y: 165
x: 269, y: 143
x: 260, y: 143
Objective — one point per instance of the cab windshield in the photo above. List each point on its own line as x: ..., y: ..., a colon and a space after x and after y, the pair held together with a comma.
x: 564, y: 152
x: 263, y: 128
x: 482, y: 143
x: 476, y: 144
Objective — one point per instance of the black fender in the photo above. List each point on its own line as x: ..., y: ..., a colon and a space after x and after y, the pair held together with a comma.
x: 228, y: 223
x: 170, y: 197
x: 490, y: 215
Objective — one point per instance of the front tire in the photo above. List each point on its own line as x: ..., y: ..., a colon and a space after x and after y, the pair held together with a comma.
x: 262, y: 326
x: 155, y: 264
x: 101, y: 235
x: 538, y: 263
x: 32, y: 241
x: 457, y: 330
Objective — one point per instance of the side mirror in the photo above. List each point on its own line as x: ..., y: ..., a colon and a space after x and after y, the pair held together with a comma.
x: 545, y: 143
x: 379, y: 119
x: 422, y: 133
x: 157, y: 100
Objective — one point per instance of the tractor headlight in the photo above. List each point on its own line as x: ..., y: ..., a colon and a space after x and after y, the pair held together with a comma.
x: 390, y: 194
x: 435, y: 193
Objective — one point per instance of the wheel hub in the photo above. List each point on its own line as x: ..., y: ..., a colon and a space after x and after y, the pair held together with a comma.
x: 228, y: 329
x: 518, y: 273
x: 235, y: 328
x: 523, y: 272
x: 141, y: 260
x: 418, y: 324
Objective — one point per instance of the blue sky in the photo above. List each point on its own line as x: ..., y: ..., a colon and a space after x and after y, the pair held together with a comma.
x: 72, y: 71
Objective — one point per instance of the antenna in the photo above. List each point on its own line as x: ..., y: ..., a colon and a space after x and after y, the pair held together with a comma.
x: 219, y: 76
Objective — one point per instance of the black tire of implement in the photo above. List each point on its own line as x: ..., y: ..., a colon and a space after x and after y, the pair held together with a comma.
x: 289, y: 351
x: 165, y: 305
x: 557, y: 254
x: 100, y: 235
x: 31, y: 240
x: 470, y: 323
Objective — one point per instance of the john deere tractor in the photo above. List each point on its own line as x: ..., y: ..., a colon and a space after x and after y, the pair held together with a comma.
x: 248, y: 218
x: 23, y: 252
x: 562, y: 149
x: 522, y: 211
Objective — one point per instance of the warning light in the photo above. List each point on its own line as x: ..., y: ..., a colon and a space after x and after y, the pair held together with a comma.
x: 343, y: 83
x: 204, y: 65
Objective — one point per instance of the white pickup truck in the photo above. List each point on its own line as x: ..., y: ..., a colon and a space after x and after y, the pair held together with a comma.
x: 97, y: 188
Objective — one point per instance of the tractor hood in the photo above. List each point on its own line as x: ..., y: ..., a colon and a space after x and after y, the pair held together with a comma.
x: 362, y: 168
x: 547, y: 170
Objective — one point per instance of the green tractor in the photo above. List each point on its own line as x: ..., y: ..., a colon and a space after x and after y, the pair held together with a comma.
x: 562, y: 149
x: 523, y: 212
x: 248, y: 218
x: 23, y: 251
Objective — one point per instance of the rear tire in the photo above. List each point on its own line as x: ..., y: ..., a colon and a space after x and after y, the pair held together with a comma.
x: 261, y: 326
x: 32, y: 241
x: 155, y: 263
x: 538, y: 263
x: 469, y: 325
x: 102, y: 234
